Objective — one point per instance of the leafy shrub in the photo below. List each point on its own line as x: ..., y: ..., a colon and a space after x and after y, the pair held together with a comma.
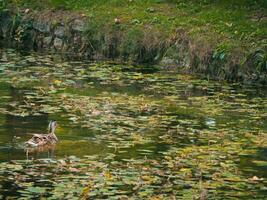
x: 260, y: 60
x: 3, y: 4
x: 132, y: 43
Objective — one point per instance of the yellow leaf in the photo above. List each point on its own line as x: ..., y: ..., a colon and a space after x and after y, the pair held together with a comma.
x: 57, y: 82
x: 107, y: 175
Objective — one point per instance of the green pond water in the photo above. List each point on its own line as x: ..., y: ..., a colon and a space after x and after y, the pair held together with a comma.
x: 128, y: 132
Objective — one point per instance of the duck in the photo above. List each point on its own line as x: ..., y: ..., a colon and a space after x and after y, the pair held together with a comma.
x: 38, y: 140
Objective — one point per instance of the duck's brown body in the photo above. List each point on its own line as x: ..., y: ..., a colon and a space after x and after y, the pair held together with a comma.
x: 44, y: 139
x: 41, y: 139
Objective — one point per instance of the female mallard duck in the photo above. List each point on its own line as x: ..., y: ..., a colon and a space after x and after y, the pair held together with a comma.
x: 44, y: 139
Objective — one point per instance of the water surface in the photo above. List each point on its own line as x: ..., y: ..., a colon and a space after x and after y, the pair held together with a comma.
x: 128, y: 131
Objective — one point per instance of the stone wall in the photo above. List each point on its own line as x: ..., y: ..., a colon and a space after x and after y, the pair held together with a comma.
x: 48, y: 31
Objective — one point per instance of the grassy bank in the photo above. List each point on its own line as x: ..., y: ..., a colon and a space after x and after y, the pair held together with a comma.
x: 223, y: 34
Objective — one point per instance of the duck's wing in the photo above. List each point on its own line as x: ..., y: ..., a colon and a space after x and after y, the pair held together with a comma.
x: 37, y: 140
x: 31, y: 143
x: 38, y: 135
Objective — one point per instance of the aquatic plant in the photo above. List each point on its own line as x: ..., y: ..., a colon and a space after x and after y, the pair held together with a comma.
x: 128, y: 132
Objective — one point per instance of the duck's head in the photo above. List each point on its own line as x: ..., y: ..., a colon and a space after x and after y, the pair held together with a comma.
x: 52, y: 126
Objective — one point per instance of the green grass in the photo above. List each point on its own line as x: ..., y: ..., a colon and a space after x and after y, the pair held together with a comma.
x: 217, y: 21
x: 222, y: 25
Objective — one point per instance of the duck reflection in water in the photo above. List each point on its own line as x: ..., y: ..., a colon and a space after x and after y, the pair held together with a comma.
x: 45, y: 151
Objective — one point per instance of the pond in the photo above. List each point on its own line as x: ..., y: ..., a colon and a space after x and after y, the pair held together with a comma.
x: 135, y: 132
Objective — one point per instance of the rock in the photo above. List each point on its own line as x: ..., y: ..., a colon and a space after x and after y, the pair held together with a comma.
x: 48, y: 41
x: 117, y: 21
x: 58, y: 43
x: 168, y: 61
x: 78, y: 25
x: 43, y: 27
x: 60, y: 32
x: 26, y: 11
x: 38, y: 41
x: 76, y: 40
